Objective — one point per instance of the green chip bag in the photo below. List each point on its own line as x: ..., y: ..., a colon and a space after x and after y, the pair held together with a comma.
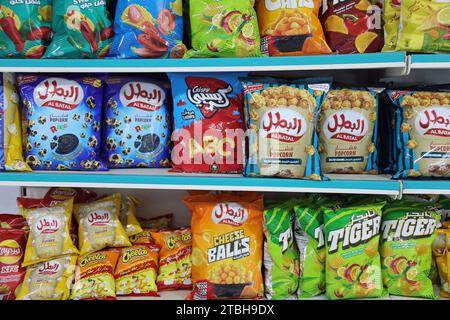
x: 223, y: 28
x: 83, y: 29
x: 391, y: 16
x: 25, y: 28
x: 281, y: 257
x: 353, y: 263
x: 408, y: 231
x: 444, y: 201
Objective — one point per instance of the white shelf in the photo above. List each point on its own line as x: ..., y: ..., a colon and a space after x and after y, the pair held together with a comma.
x: 430, y: 61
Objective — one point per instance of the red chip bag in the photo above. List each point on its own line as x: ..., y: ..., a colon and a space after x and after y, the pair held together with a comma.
x: 12, y: 221
x: 12, y: 249
x: 80, y: 195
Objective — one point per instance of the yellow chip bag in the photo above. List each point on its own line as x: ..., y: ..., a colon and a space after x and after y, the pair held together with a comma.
x: 391, y: 16
x: 128, y: 216
x: 99, y: 225
x: 49, y: 280
x: 441, y: 250
x: 94, y: 278
x: 226, y: 246
x: 136, y: 271
x: 49, y: 229
x: 145, y: 237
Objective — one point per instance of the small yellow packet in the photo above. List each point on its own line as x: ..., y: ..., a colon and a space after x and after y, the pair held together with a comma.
x: 441, y: 250
x: 49, y: 280
x: 128, y: 216
x: 99, y: 225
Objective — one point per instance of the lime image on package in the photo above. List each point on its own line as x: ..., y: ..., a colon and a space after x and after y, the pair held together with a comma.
x: 391, y: 16
x: 282, y: 119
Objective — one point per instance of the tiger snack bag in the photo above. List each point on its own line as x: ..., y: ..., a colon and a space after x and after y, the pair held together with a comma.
x: 291, y: 28
x: 49, y: 229
x: 391, y: 16
x: 227, y: 245
x: 408, y: 230
x: 94, y: 278
x: 49, y: 280
x: 99, y: 226
x: 128, y: 216
x: 136, y: 271
x: 175, y: 265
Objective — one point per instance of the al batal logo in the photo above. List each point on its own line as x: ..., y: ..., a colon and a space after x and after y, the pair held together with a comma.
x: 99, y: 218
x: 434, y: 121
x: 58, y: 93
x: 47, y: 225
x: 142, y: 95
x: 283, y: 124
x: 49, y: 267
x: 347, y: 125
x: 229, y: 213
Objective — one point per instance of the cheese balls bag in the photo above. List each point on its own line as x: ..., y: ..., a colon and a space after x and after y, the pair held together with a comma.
x: 227, y: 245
x: 128, y: 216
x: 49, y: 280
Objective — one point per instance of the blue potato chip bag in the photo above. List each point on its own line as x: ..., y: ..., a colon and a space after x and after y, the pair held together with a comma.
x: 62, y: 121
x: 148, y: 29
x: 137, y: 123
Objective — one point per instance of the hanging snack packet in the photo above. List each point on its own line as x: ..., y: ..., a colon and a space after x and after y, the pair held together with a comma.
x: 25, y: 28
x: 348, y: 131
x: 11, y: 158
x: 208, y: 125
x: 94, y: 278
x: 12, y: 249
x: 422, y: 133
x: 175, y: 264
x: 148, y: 29
x: 291, y: 28
x: 281, y: 257
x: 424, y: 26
x: 99, y: 225
x: 82, y: 30
x: 138, y: 123
x: 164, y: 221
x: 13, y: 221
x: 49, y: 280
x: 127, y: 216
x: 136, y: 271
x: 227, y: 245
x: 408, y: 232
x: 49, y: 229
x: 282, y: 117
x: 444, y: 201
x: 391, y: 16
x: 223, y: 29
x: 441, y: 249
x: 62, y: 121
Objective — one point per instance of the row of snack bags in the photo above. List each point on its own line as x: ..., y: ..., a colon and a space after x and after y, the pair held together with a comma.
x: 357, y: 247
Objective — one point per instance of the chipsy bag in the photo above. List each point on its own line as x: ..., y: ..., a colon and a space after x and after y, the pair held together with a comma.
x: 408, y: 231
x: 290, y: 28
x: 13, y: 221
x: 49, y: 280
x: 25, y: 28
x: 226, y: 246
x: 148, y: 29
x: 81, y: 30
x: 127, y: 216
x: 391, y: 16
x: 282, y: 117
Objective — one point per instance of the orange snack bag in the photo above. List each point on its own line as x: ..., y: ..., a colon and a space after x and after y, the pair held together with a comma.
x: 291, y: 28
x: 227, y: 245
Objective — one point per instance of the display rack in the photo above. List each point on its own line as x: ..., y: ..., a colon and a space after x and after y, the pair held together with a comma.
x: 429, y: 61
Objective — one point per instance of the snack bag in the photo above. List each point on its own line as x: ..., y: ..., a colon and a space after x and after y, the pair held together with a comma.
x: 136, y: 271
x: 13, y: 221
x: 424, y: 26
x: 282, y: 117
x: 353, y: 263
x: 441, y: 250
x: 49, y: 229
x: 128, y: 218
x: 227, y: 245
x: 223, y: 29
x: 25, y: 28
x: 82, y: 30
x: 348, y: 131
x: 281, y: 257
x: 138, y: 123
x: 444, y: 201
x: 10, y: 127
x: 62, y: 121
x: 408, y: 231
x: 291, y: 28
x: 164, y: 221
x: 391, y: 16
x: 148, y: 29
x: 208, y: 125
x: 49, y: 280
x: 175, y: 264
x: 99, y: 225
x: 94, y: 277
x: 12, y: 249
x: 353, y: 26
x: 144, y: 237
x: 422, y: 133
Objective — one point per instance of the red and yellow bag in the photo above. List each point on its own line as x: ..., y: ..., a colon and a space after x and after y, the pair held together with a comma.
x: 13, y: 221
x: 227, y: 245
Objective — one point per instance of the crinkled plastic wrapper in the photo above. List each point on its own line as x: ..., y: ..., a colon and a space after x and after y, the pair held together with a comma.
x: 128, y: 216
x: 391, y: 16
x: 163, y: 221
x: 441, y: 252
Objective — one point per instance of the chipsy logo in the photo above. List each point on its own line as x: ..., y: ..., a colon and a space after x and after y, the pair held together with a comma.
x: 272, y: 5
x: 346, y: 125
x: 49, y: 268
x: 229, y: 213
x: 58, y: 93
x: 9, y: 249
x: 99, y: 218
x: 434, y: 121
x: 142, y: 95
x: 285, y: 125
x: 47, y: 225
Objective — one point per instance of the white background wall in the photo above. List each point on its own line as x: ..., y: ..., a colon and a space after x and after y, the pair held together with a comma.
x: 8, y: 197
